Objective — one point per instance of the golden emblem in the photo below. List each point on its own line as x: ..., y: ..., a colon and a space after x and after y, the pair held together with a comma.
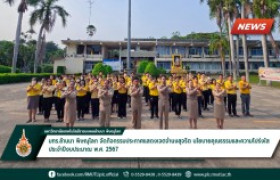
x: 23, y: 147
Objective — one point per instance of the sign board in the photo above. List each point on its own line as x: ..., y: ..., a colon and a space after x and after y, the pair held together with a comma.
x: 269, y: 74
x: 116, y: 64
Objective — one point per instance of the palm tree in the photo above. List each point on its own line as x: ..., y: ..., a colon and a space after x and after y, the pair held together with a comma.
x: 22, y: 8
x: 220, y: 44
x: 266, y: 9
x: 46, y: 14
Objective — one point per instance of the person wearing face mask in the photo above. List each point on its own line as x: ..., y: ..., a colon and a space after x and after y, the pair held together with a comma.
x: 81, y: 98
x: 136, y: 103
x: 47, y: 91
x: 33, y: 92
x: 70, y: 105
x: 105, y: 95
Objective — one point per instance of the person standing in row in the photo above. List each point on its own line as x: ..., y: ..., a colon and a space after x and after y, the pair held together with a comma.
x: 153, y: 98
x: 136, y: 103
x: 219, y: 106
x: 144, y: 80
x: 193, y: 92
x: 94, y: 98
x: 70, y: 110
x: 199, y: 95
x: 60, y: 102
x: 183, y: 85
x: 122, y: 98
x: 231, y: 88
x: 88, y: 95
x: 163, y: 104
x: 245, y: 89
x: 115, y: 96
x: 47, y: 91
x: 221, y: 81
x: 81, y: 99
x: 33, y: 92
x: 105, y: 95
x: 41, y: 111
x: 203, y: 86
x: 177, y: 99
x: 169, y: 83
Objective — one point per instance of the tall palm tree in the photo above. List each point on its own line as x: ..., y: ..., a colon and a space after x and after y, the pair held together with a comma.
x: 45, y: 14
x: 266, y: 9
x: 22, y: 8
x: 220, y: 43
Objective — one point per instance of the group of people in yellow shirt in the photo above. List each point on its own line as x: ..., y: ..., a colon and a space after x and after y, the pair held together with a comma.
x: 50, y: 92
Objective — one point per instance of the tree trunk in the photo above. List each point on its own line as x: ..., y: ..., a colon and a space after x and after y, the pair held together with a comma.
x: 223, y: 66
x: 265, y: 55
x: 233, y: 64
x: 245, y: 48
x: 17, y: 42
x: 237, y: 56
x: 37, y: 51
x: 274, y: 45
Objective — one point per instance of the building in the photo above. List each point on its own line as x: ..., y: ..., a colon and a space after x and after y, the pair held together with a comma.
x: 82, y: 55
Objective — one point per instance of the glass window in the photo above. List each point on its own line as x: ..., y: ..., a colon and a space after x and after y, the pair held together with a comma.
x: 93, y: 49
x: 164, y: 65
x: 195, y: 51
x: 256, y: 52
x: 80, y: 49
x: 179, y: 50
x: 208, y: 52
x: 163, y: 50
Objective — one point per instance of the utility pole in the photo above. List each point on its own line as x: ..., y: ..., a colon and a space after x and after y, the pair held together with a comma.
x: 129, y: 38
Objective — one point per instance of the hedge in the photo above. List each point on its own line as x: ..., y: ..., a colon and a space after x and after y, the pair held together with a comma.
x: 18, y: 78
x: 61, y: 69
x: 47, y: 68
x: 7, y: 69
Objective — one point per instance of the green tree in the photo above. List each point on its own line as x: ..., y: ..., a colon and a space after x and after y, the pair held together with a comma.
x: 99, y: 67
x: 46, y: 14
x: 21, y: 10
x: 108, y: 69
x: 142, y: 66
x: 152, y: 69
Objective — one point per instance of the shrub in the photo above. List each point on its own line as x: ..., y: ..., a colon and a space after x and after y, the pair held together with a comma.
x: 108, y: 69
x: 61, y: 69
x: 47, y: 68
x: 5, y: 69
x: 152, y: 69
x: 99, y: 67
x: 9, y: 78
x: 161, y: 71
x: 142, y: 66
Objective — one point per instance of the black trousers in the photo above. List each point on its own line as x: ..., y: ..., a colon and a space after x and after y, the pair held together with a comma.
x: 200, y: 104
x: 146, y: 94
x: 47, y: 106
x: 171, y: 101
x: 59, y: 106
x: 184, y: 100
x: 122, y: 105
x: 177, y: 103
x: 232, y: 99
x: 154, y: 106
x: 87, y: 102
x: 206, y: 96
x: 81, y: 106
x: 41, y: 104
x: 95, y: 107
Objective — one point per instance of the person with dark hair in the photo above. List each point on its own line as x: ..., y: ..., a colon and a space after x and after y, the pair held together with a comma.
x: 198, y: 95
x: 94, y: 98
x: 163, y: 104
x: 169, y: 82
x: 231, y: 88
x: 70, y: 105
x: 81, y: 95
x: 33, y: 92
x: 136, y: 103
x: 177, y: 98
x: 193, y: 91
x: 47, y: 91
x: 245, y: 90
x: 221, y: 81
x: 144, y: 80
x: 219, y: 110
x: 183, y: 85
x: 61, y: 87
x: 153, y: 98
x: 41, y: 111
x: 122, y: 98
x: 115, y: 95
x: 88, y: 95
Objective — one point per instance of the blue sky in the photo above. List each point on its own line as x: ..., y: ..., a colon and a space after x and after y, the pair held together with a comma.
x: 150, y: 18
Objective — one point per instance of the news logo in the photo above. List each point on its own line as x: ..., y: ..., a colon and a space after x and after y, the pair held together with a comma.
x: 252, y: 26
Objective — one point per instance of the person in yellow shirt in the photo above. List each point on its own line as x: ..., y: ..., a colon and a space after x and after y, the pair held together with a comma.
x: 221, y: 81
x: 47, y: 91
x: 177, y: 98
x: 115, y: 95
x: 81, y: 90
x: 144, y: 80
x: 169, y: 83
x: 231, y: 88
x: 212, y: 87
x: 122, y: 98
x: 183, y: 85
x: 60, y: 88
x: 128, y: 84
x: 33, y: 92
x: 41, y: 111
x: 88, y: 95
x: 203, y: 86
x: 197, y: 86
x: 94, y: 98
x: 245, y: 90
x: 153, y: 92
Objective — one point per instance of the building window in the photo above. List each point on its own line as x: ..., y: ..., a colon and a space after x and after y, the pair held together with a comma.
x: 163, y: 50
x: 240, y: 51
x: 93, y: 49
x: 196, y: 51
x: 80, y: 49
x: 256, y: 52
x: 208, y: 52
x: 179, y: 50
x: 164, y: 65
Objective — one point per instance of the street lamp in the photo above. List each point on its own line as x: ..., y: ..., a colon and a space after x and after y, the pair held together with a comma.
x: 129, y: 38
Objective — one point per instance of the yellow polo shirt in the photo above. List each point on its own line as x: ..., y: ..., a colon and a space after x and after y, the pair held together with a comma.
x: 36, y: 91
x: 222, y: 83
x: 183, y: 85
x: 122, y: 90
x: 81, y: 91
x: 228, y: 86
x: 244, y: 90
x: 144, y: 80
x: 153, y: 89
x: 203, y: 85
x: 177, y: 87
x: 48, y: 93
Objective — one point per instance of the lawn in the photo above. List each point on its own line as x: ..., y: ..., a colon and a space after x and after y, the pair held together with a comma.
x: 254, y: 79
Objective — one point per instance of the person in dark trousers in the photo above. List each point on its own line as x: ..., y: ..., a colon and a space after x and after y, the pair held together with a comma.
x: 88, y: 96
x: 177, y: 96
x: 81, y: 96
x: 144, y: 80
x: 231, y: 88
x: 199, y: 95
x: 122, y: 98
x: 169, y: 82
x: 41, y: 111
x: 245, y: 90
x: 47, y: 91
x: 94, y: 98
x: 61, y: 87
x: 153, y: 98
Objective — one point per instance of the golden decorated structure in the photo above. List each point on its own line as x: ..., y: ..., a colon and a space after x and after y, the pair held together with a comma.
x: 177, y: 65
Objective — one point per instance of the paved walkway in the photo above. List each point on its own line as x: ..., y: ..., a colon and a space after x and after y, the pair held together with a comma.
x: 265, y: 108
